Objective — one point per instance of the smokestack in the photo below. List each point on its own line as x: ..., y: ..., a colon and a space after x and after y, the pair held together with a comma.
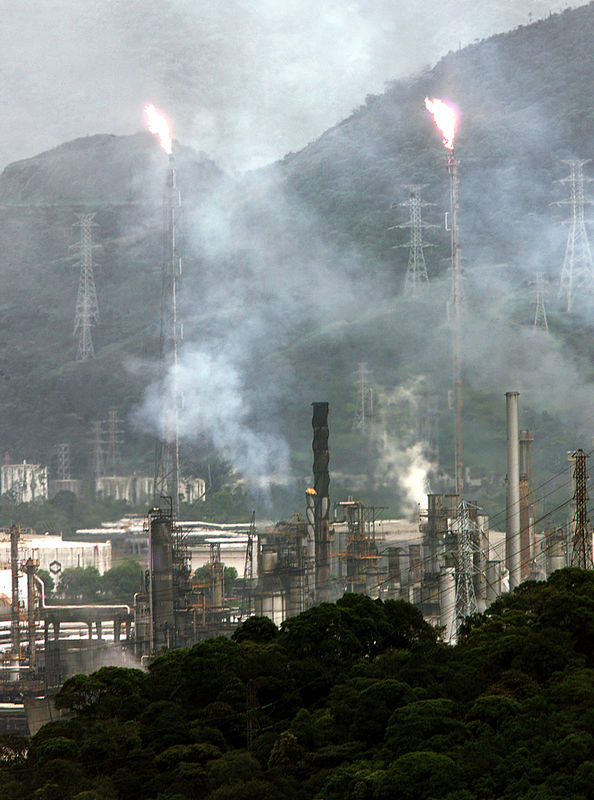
x: 481, y: 559
x: 161, y: 581
x: 526, y: 503
x: 556, y: 550
x: 493, y: 581
x: 321, y: 458
x: 512, y: 535
x: 447, y: 602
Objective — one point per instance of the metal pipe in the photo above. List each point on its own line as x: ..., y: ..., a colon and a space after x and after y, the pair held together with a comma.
x: 15, y: 606
x: 41, y: 585
x: 512, y: 535
x: 447, y: 602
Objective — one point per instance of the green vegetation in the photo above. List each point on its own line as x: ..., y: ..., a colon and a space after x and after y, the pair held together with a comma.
x: 65, y: 513
x: 86, y: 585
x: 356, y: 700
x: 203, y: 576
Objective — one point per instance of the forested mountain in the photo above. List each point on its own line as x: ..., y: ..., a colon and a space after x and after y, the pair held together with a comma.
x: 291, y: 280
x: 349, y: 701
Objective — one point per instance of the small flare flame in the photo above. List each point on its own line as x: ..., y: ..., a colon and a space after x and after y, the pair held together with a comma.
x: 445, y: 119
x: 158, y: 125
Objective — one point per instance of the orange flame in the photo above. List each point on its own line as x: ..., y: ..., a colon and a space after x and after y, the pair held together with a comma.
x: 445, y: 119
x: 158, y: 125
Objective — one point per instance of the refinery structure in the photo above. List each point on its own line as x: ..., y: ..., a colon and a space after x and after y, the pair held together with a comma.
x: 446, y: 558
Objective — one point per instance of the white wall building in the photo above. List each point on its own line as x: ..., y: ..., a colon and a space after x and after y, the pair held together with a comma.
x: 52, y: 550
x: 136, y: 489
x: 25, y: 482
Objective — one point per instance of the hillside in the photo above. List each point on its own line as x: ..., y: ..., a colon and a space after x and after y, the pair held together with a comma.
x: 291, y: 281
x: 49, y: 397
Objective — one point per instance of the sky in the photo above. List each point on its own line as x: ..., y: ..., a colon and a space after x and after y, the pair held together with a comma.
x: 244, y: 81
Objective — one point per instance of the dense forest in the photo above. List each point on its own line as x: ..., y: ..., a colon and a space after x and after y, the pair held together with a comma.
x: 357, y: 700
x: 293, y: 276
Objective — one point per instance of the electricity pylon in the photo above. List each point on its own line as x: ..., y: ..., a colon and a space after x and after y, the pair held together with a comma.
x: 416, y: 271
x: 87, y: 308
x: 114, y: 440
x: 581, y: 551
x: 63, y: 461
x: 577, y: 273
x: 466, y: 530
x: 364, y: 407
x: 540, y: 315
x: 97, y: 450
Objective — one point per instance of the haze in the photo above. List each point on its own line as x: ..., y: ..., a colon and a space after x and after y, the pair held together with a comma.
x: 244, y: 82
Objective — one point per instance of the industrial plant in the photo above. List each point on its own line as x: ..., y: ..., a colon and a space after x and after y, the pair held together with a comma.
x: 445, y: 557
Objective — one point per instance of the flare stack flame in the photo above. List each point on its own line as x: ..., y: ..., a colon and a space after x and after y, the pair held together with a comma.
x: 158, y: 125
x: 445, y: 119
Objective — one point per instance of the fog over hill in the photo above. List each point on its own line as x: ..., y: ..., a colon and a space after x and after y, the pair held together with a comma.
x: 244, y: 82
x: 291, y: 280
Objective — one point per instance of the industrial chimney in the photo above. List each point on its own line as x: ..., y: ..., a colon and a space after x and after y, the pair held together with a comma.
x: 321, y: 458
x: 512, y: 534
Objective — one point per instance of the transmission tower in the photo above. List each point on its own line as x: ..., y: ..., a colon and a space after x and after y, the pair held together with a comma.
x: 87, y: 309
x: 114, y: 440
x: 166, y: 482
x: 577, y: 273
x: 97, y: 450
x: 466, y: 530
x: 540, y: 315
x: 416, y: 272
x: 581, y: 552
x: 364, y: 407
x: 63, y: 461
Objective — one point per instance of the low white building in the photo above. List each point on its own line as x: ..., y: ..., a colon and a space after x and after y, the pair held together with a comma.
x: 25, y: 482
x: 137, y: 489
x: 54, y: 554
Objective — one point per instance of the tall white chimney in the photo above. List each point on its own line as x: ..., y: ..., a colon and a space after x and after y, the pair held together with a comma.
x: 512, y: 534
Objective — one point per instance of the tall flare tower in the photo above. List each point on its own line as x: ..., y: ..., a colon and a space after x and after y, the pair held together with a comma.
x: 166, y: 481
x: 87, y: 308
x: 445, y: 119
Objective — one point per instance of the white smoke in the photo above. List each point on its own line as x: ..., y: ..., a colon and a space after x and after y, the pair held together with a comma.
x: 216, y: 403
x: 401, y: 460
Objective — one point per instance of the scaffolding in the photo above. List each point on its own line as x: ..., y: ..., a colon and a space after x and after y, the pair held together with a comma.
x: 360, y: 559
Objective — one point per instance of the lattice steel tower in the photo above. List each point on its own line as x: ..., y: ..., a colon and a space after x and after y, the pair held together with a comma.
x: 63, y: 461
x: 87, y: 308
x: 97, y: 450
x: 364, y: 407
x: 466, y: 529
x: 416, y: 271
x: 581, y: 551
x: 114, y: 440
x: 577, y: 273
x: 540, y: 314
x: 166, y: 482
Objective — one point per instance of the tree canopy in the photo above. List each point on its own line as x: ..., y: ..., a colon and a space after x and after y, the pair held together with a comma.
x: 357, y: 699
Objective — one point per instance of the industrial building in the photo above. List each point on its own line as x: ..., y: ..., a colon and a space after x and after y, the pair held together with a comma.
x: 26, y: 483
